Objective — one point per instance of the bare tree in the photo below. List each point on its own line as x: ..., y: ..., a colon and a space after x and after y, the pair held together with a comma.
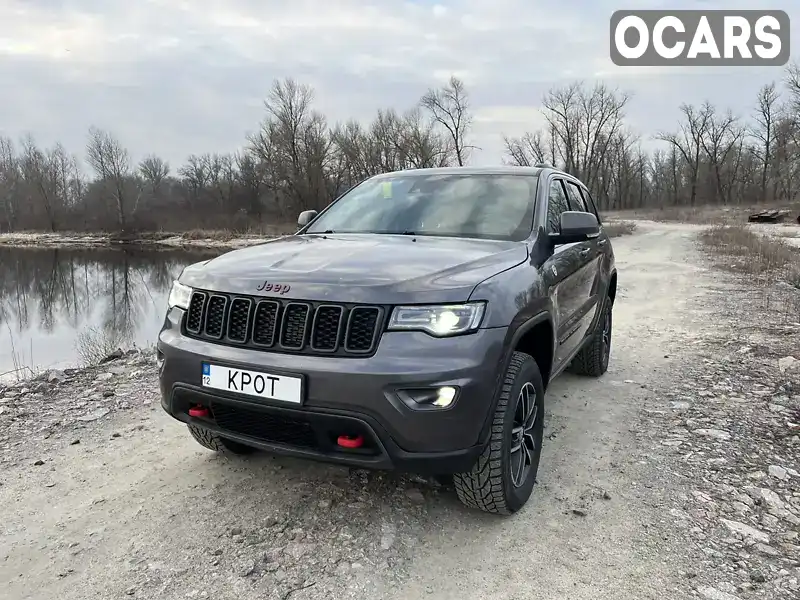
x: 793, y: 87
x: 764, y: 130
x: 449, y: 106
x: 582, y: 125
x: 10, y: 184
x: 112, y: 165
x: 40, y: 178
x: 294, y: 141
x: 195, y: 175
x: 689, y: 141
x: 221, y: 177
x: 297, y: 160
x: 526, y: 150
x: 154, y: 171
x: 722, y: 135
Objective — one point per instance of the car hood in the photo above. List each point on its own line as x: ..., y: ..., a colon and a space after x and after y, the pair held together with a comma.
x: 380, y: 269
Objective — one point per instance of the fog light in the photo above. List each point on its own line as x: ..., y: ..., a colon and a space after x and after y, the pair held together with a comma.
x: 445, y: 396
x: 432, y: 398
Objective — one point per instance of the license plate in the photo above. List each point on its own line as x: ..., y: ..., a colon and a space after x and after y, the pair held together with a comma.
x: 253, y: 383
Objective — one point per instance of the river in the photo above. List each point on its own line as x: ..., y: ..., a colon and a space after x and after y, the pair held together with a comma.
x: 63, y: 307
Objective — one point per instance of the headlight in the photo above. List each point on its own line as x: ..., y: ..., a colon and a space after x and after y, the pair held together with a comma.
x: 439, y: 320
x: 179, y: 295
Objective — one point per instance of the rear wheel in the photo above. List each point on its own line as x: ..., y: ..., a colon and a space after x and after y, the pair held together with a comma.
x: 593, y: 358
x: 212, y: 441
x: 502, y: 479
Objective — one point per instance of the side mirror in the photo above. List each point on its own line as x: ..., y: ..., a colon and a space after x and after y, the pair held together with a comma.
x: 305, y: 218
x: 576, y: 226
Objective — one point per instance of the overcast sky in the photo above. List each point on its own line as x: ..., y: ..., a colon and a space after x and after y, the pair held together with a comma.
x: 177, y: 77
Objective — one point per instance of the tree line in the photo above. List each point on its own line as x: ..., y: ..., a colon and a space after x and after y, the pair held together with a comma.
x: 298, y: 160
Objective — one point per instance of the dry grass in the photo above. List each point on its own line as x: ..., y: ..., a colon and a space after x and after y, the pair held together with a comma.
x: 219, y: 235
x: 226, y: 235
x: 21, y: 370
x: 95, y: 343
x: 618, y: 228
x: 755, y: 254
x: 770, y: 266
x: 767, y: 301
x: 771, y: 274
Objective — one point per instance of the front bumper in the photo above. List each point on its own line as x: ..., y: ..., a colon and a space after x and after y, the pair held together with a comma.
x: 347, y: 396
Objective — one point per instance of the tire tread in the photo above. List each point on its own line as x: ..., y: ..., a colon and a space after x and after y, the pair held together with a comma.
x: 210, y: 440
x: 482, y: 487
x: 589, y: 361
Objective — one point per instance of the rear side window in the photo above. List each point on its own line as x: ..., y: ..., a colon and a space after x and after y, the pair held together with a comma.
x: 557, y: 203
x: 575, y: 200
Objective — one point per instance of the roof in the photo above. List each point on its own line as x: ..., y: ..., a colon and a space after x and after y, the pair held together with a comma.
x: 501, y: 170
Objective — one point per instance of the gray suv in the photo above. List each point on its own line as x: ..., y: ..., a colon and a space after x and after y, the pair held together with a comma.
x: 413, y: 324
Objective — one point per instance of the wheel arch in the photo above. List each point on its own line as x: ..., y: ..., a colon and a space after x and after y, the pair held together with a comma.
x: 525, y: 338
x: 612, y: 287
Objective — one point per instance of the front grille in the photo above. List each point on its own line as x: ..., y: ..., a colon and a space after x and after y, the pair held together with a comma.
x: 326, y: 329
x: 284, y: 325
x: 361, y: 328
x: 265, y: 426
x: 265, y: 322
x: 294, y: 325
x: 215, y: 315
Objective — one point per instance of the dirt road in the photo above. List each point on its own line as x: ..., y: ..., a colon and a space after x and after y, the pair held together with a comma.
x: 125, y: 504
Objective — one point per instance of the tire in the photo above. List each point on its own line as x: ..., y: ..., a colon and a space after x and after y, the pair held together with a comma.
x: 592, y: 360
x: 494, y: 484
x: 212, y: 441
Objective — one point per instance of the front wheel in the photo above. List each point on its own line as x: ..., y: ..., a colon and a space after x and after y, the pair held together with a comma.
x: 502, y: 479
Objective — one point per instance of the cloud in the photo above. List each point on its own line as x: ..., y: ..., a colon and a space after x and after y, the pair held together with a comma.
x: 179, y: 76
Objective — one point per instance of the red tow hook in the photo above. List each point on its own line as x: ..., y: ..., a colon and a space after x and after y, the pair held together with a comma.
x: 350, y: 441
x: 200, y: 412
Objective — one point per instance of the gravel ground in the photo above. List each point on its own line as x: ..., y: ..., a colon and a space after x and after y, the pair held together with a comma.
x: 673, y: 476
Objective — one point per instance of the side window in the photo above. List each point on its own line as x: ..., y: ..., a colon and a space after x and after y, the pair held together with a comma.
x: 557, y: 203
x: 575, y: 200
x: 590, y: 205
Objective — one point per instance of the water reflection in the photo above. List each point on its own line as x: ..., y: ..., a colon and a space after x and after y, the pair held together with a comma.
x: 53, y: 301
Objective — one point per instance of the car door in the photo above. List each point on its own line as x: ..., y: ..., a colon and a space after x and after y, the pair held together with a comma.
x: 591, y: 263
x: 603, y: 243
x: 564, y: 274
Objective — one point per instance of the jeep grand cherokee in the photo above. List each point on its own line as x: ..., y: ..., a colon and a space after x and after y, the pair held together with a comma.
x: 414, y: 324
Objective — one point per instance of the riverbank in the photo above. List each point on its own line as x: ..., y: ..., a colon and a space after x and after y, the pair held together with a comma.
x: 191, y: 239
x: 197, y: 238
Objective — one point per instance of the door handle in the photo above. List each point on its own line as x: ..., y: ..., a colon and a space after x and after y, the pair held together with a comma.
x: 585, y: 252
x: 602, y: 242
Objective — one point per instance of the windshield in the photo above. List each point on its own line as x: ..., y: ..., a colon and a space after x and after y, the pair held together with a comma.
x: 468, y: 205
